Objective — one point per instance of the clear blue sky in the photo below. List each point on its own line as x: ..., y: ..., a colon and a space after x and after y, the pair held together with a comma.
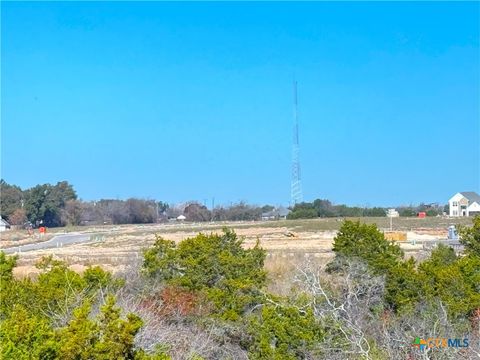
x: 189, y: 101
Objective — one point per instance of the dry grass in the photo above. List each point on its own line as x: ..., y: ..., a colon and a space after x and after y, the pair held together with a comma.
x: 286, y: 242
x: 401, y: 223
x: 281, y: 267
x: 21, y: 237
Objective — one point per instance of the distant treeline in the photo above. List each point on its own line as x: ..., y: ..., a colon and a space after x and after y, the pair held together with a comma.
x: 324, y: 208
x: 58, y: 205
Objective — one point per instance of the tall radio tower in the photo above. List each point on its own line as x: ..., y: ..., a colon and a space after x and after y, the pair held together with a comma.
x: 296, y: 186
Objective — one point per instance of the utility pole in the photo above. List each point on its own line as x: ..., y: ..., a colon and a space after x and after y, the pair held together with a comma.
x: 213, y: 207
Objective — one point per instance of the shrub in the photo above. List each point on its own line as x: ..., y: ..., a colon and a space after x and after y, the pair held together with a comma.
x: 283, y: 332
x: 470, y: 237
x: 23, y: 336
x: 6, y: 267
x: 216, y: 265
x: 456, y: 281
x: 366, y: 242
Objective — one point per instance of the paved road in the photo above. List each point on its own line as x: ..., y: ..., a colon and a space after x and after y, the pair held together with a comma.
x: 56, y: 241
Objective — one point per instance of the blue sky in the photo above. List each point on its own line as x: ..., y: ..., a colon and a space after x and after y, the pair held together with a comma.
x: 189, y: 101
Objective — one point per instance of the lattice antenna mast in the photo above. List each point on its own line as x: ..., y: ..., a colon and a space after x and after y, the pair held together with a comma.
x: 296, y: 186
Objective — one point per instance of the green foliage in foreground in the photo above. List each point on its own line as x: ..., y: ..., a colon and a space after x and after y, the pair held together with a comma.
x: 51, y: 318
x: 57, y: 291
x: 25, y: 336
x: 454, y: 280
x: 6, y: 267
x: 283, y: 332
x: 470, y: 237
x: 215, y: 265
x: 56, y: 316
x: 355, y: 239
x: 232, y: 279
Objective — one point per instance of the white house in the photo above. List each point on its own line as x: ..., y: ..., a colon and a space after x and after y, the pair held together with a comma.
x: 464, y: 204
x: 392, y: 213
x: 4, y: 225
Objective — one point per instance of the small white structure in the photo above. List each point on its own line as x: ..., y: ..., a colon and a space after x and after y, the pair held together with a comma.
x: 392, y: 213
x: 4, y: 225
x: 465, y: 203
x: 181, y: 218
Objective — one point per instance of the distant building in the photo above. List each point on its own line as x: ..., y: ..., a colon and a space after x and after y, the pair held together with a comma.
x: 4, y: 225
x: 276, y: 214
x: 464, y: 204
x: 181, y: 218
x: 392, y: 213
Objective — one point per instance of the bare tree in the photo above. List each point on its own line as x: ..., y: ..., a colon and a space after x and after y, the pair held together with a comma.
x: 345, y: 310
x: 72, y: 213
x: 18, y: 217
x: 351, y: 307
x: 197, y: 212
x: 181, y: 337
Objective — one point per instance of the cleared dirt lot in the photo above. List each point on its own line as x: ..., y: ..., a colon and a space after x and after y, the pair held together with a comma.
x: 115, y: 247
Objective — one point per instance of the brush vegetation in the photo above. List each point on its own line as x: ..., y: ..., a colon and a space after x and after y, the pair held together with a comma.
x: 207, y: 297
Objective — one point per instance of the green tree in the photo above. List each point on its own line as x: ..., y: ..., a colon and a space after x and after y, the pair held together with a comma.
x: 23, y: 336
x: 366, y: 242
x: 56, y: 291
x: 375, y: 211
x: 302, y: 213
x: 45, y: 202
x: 403, y: 286
x: 11, y: 197
x: 283, y: 332
x: 454, y: 280
x: 37, y: 322
x: 106, y: 337
x: 215, y: 264
x: 7, y: 263
x: 267, y: 208
x: 13, y: 293
x: 470, y: 237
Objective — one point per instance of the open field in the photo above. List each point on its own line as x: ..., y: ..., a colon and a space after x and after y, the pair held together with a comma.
x: 115, y: 247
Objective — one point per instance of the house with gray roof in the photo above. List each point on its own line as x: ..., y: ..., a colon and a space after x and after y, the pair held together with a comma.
x: 465, y: 203
x: 279, y: 213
